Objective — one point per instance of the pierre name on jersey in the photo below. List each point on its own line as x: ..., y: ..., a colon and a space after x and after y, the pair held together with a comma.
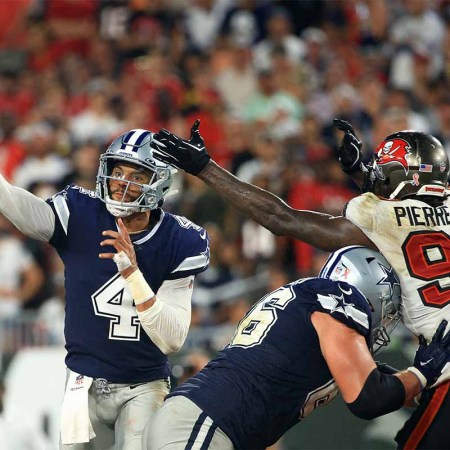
x: 427, y: 216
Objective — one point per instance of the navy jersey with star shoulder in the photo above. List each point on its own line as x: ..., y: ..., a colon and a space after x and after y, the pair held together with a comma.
x: 103, y: 335
x: 273, y: 374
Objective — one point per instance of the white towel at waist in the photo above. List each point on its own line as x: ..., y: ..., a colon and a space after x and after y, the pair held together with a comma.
x: 76, y: 426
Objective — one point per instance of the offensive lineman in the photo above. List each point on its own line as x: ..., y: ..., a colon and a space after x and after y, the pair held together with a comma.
x: 291, y: 353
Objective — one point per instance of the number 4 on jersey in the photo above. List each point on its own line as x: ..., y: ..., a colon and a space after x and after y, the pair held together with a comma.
x: 114, y: 301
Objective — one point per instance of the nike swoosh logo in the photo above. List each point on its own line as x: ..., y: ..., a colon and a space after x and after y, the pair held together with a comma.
x: 137, y: 385
x: 349, y: 292
x: 426, y: 362
x: 203, y: 234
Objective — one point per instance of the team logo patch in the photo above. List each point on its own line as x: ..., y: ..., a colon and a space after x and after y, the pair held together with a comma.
x: 393, y: 151
x: 340, y: 273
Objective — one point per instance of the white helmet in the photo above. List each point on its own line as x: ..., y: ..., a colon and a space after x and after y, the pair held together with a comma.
x: 373, y: 276
x: 133, y: 147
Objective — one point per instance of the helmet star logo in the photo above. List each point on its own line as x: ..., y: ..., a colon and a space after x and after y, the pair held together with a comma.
x: 390, y: 279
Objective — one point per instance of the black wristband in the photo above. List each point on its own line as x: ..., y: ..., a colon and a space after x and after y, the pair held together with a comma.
x: 381, y: 394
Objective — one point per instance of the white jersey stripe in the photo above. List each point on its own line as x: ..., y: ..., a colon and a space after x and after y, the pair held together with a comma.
x: 328, y: 302
x: 203, y: 432
x: 62, y: 210
x: 193, y: 262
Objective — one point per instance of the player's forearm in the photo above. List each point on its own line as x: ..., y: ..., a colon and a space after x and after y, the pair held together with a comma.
x: 164, y: 326
x: 274, y: 214
x: 28, y: 213
x: 383, y: 393
x: 412, y: 386
x: 263, y: 206
x: 167, y: 320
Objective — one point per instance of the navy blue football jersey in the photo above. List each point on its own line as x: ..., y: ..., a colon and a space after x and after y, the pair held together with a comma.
x: 103, y: 335
x: 273, y: 374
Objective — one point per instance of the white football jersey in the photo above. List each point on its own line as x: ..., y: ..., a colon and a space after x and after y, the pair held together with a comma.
x: 415, y: 238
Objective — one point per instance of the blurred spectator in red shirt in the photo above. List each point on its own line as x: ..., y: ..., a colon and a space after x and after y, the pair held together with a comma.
x: 11, y: 150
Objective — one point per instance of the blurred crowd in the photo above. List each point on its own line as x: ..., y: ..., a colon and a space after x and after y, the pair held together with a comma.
x: 265, y: 77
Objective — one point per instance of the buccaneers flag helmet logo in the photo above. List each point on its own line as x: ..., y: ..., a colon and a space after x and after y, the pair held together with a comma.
x: 393, y: 151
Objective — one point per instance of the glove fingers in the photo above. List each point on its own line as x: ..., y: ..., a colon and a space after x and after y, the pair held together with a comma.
x: 352, y: 140
x: 166, y: 138
x: 194, y: 128
x: 165, y: 157
x: 157, y: 142
x: 439, y: 332
x: 163, y: 132
x: 446, y: 338
x: 422, y: 341
x: 343, y: 125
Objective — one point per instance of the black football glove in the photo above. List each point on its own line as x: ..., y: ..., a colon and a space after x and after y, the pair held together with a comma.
x: 349, y: 150
x: 431, y: 359
x: 191, y: 156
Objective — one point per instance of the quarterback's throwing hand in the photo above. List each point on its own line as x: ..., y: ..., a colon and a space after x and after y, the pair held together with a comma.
x: 125, y: 258
x: 349, y: 150
x: 191, y: 156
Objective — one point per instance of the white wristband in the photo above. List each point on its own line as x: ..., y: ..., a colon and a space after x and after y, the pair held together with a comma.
x: 419, y: 375
x: 122, y: 261
x: 140, y: 290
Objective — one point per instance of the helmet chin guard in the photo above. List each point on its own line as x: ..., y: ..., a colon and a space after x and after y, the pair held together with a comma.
x: 117, y: 210
x: 133, y: 148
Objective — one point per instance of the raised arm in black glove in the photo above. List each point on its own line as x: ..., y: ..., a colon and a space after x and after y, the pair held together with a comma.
x: 433, y: 359
x: 349, y: 150
x: 190, y: 156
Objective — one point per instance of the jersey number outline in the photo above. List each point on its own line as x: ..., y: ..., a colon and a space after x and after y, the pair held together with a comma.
x: 319, y: 397
x: 427, y: 256
x: 254, y: 326
x: 113, y: 301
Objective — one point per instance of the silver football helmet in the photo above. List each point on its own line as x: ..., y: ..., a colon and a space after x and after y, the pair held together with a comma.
x: 133, y: 147
x: 373, y: 276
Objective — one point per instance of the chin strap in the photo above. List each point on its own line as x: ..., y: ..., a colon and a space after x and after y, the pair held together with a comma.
x: 398, y: 189
x: 120, y: 211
